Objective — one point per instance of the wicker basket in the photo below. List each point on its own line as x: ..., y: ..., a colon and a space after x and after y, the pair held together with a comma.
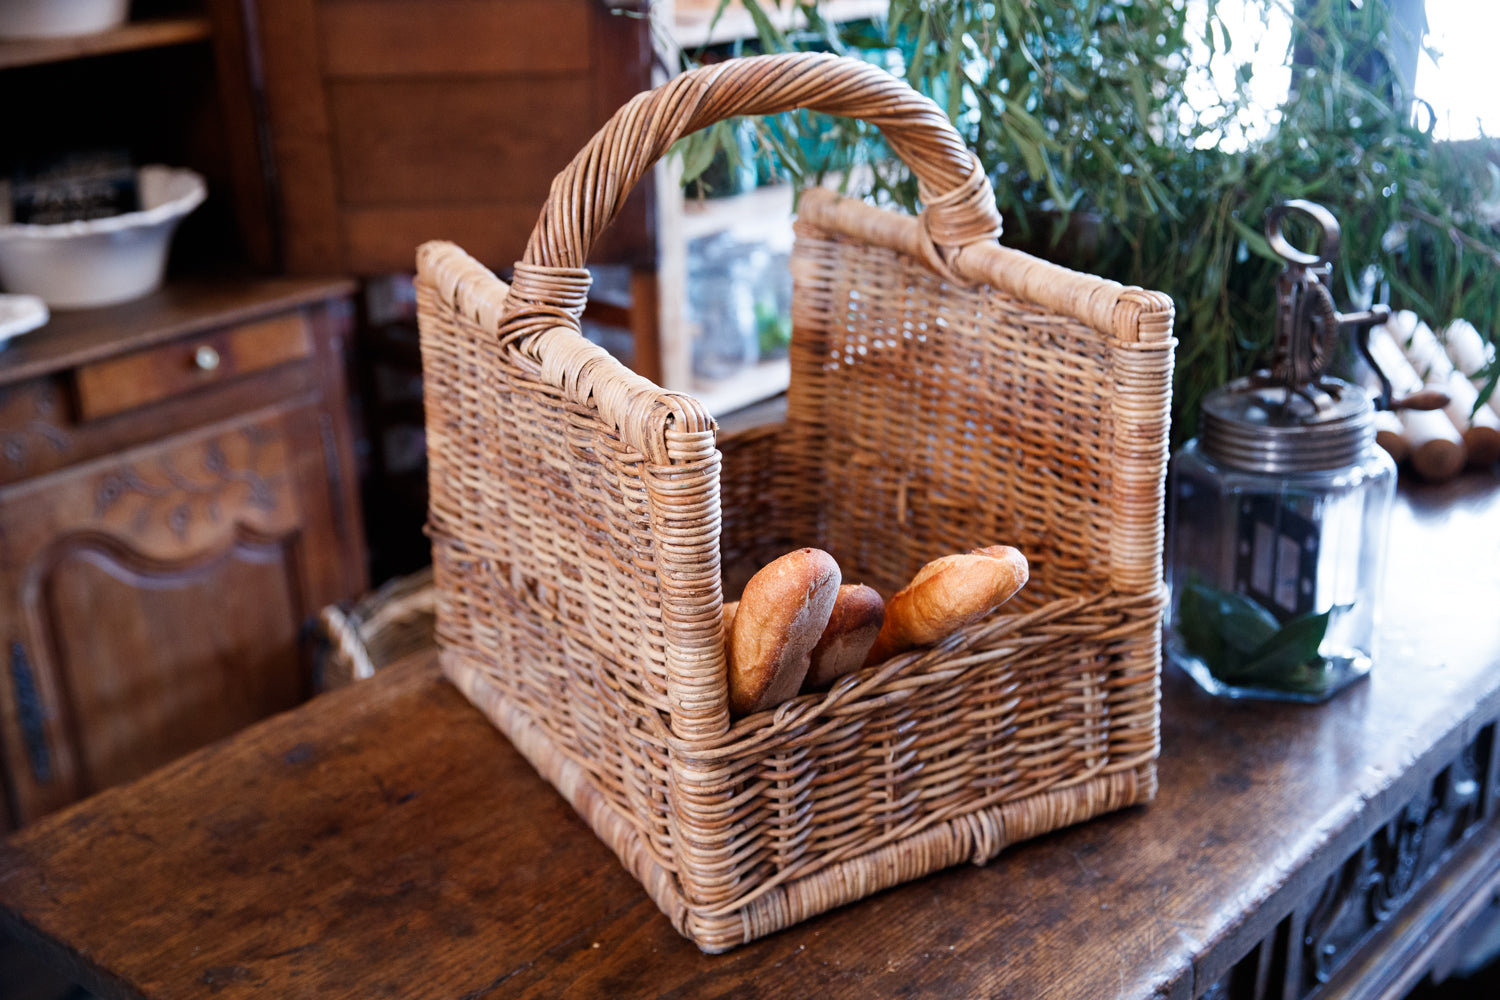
x: 946, y: 393
x: 395, y: 621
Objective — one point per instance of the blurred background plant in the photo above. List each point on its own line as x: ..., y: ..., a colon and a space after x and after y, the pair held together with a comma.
x: 1145, y: 141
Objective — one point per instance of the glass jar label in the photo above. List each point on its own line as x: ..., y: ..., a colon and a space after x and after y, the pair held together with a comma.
x: 1276, y: 556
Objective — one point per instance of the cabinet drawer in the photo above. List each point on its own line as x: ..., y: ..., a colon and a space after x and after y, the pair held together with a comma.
x: 150, y: 376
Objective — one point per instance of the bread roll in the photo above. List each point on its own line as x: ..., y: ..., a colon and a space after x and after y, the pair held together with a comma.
x: 780, y: 618
x: 946, y: 595
x: 858, y: 612
x: 731, y: 608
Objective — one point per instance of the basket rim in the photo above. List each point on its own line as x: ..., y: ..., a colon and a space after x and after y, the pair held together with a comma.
x: 952, y: 653
x: 1128, y: 313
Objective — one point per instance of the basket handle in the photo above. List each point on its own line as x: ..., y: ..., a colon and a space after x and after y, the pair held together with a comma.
x: 958, y: 203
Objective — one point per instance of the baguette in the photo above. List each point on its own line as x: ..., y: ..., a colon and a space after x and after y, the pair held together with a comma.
x: 858, y: 612
x: 946, y: 595
x: 781, y: 616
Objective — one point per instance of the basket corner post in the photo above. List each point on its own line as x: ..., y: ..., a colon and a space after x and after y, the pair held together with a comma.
x: 1143, y: 317
x: 684, y: 497
x: 1142, y: 359
x: 704, y: 849
x: 1141, y: 411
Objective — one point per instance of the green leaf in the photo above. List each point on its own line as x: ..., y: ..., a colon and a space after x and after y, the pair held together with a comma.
x: 1244, y: 624
x: 713, y: 22
x: 1036, y: 162
x: 954, y: 78
x: 1243, y: 644
x: 1196, y: 621
x: 816, y: 23
x: 697, y: 153
x: 1294, y: 646
x: 917, y: 64
x: 1254, y: 239
x: 1222, y: 628
x: 766, y: 31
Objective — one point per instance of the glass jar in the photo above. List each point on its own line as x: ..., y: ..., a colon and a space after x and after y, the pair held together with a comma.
x: 1276, y: 542
x: 720, y: 307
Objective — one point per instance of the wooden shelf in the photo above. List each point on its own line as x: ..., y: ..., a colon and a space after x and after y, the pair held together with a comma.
x: 152, y: 34
x: 763, y: 215
x: 78, y: 336
x: 744, y: 388
x: 693, y: 24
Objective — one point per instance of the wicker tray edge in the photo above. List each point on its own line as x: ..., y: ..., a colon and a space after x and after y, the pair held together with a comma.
x: 978, y: 836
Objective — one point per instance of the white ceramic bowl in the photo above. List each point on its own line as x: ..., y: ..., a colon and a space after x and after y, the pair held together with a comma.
x: 59, y: 18
x: 77, y: 265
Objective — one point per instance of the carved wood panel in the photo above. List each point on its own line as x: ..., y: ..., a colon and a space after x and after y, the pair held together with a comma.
x: 158, y: 659
x: 1347, y: 908
x: 181, y: 501
x: 154, y: 602
x: 34, y: 432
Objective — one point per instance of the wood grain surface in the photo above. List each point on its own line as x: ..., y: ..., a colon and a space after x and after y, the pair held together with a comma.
x: 384, y: 841
x: 392, y: 122
x: 80, y: 336
x: 417, y: 37
x: 132, y: 380
x: 169, y: 531
x: 144, y: 34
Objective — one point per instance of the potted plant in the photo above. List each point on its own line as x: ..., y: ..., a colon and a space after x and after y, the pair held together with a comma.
x: 1105, y: 158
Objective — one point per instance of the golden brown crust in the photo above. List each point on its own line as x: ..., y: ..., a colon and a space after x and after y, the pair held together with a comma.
x: 946, y: 595
x: 858, y: 612
x: 731, y: 609
x: 780, y: 618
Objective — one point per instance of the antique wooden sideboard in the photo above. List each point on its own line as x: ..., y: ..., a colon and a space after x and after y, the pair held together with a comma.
x: 177, y: 503
x: 385, y: 841
x: 177, y: 479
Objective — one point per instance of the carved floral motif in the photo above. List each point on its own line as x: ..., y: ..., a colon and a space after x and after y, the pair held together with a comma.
x: 179, y: 497
x: 33, y: 424
x: 1377, y: 879
x: 1369, y: 888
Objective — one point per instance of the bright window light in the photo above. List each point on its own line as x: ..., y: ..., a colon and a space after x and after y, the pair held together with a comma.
x: 1460, y: 85
x: 1247, y: 35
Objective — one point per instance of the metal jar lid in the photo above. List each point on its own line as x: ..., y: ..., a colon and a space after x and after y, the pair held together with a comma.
x: 1269, y: 428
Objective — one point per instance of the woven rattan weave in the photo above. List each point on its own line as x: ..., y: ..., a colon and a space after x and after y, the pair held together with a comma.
x: 946, y: 393
x: 394, y: 622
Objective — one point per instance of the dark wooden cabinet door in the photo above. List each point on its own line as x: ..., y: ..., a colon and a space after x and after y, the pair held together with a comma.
x: 159, y: 599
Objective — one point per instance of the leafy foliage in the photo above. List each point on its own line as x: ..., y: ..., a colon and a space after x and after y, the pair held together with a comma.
x: 1081, y: 112
x: 1243, y: 644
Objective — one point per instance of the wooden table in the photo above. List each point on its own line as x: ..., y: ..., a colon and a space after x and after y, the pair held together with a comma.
x: 383, y: 841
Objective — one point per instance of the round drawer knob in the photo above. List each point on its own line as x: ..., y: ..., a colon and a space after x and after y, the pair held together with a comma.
x: 206, y: 358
